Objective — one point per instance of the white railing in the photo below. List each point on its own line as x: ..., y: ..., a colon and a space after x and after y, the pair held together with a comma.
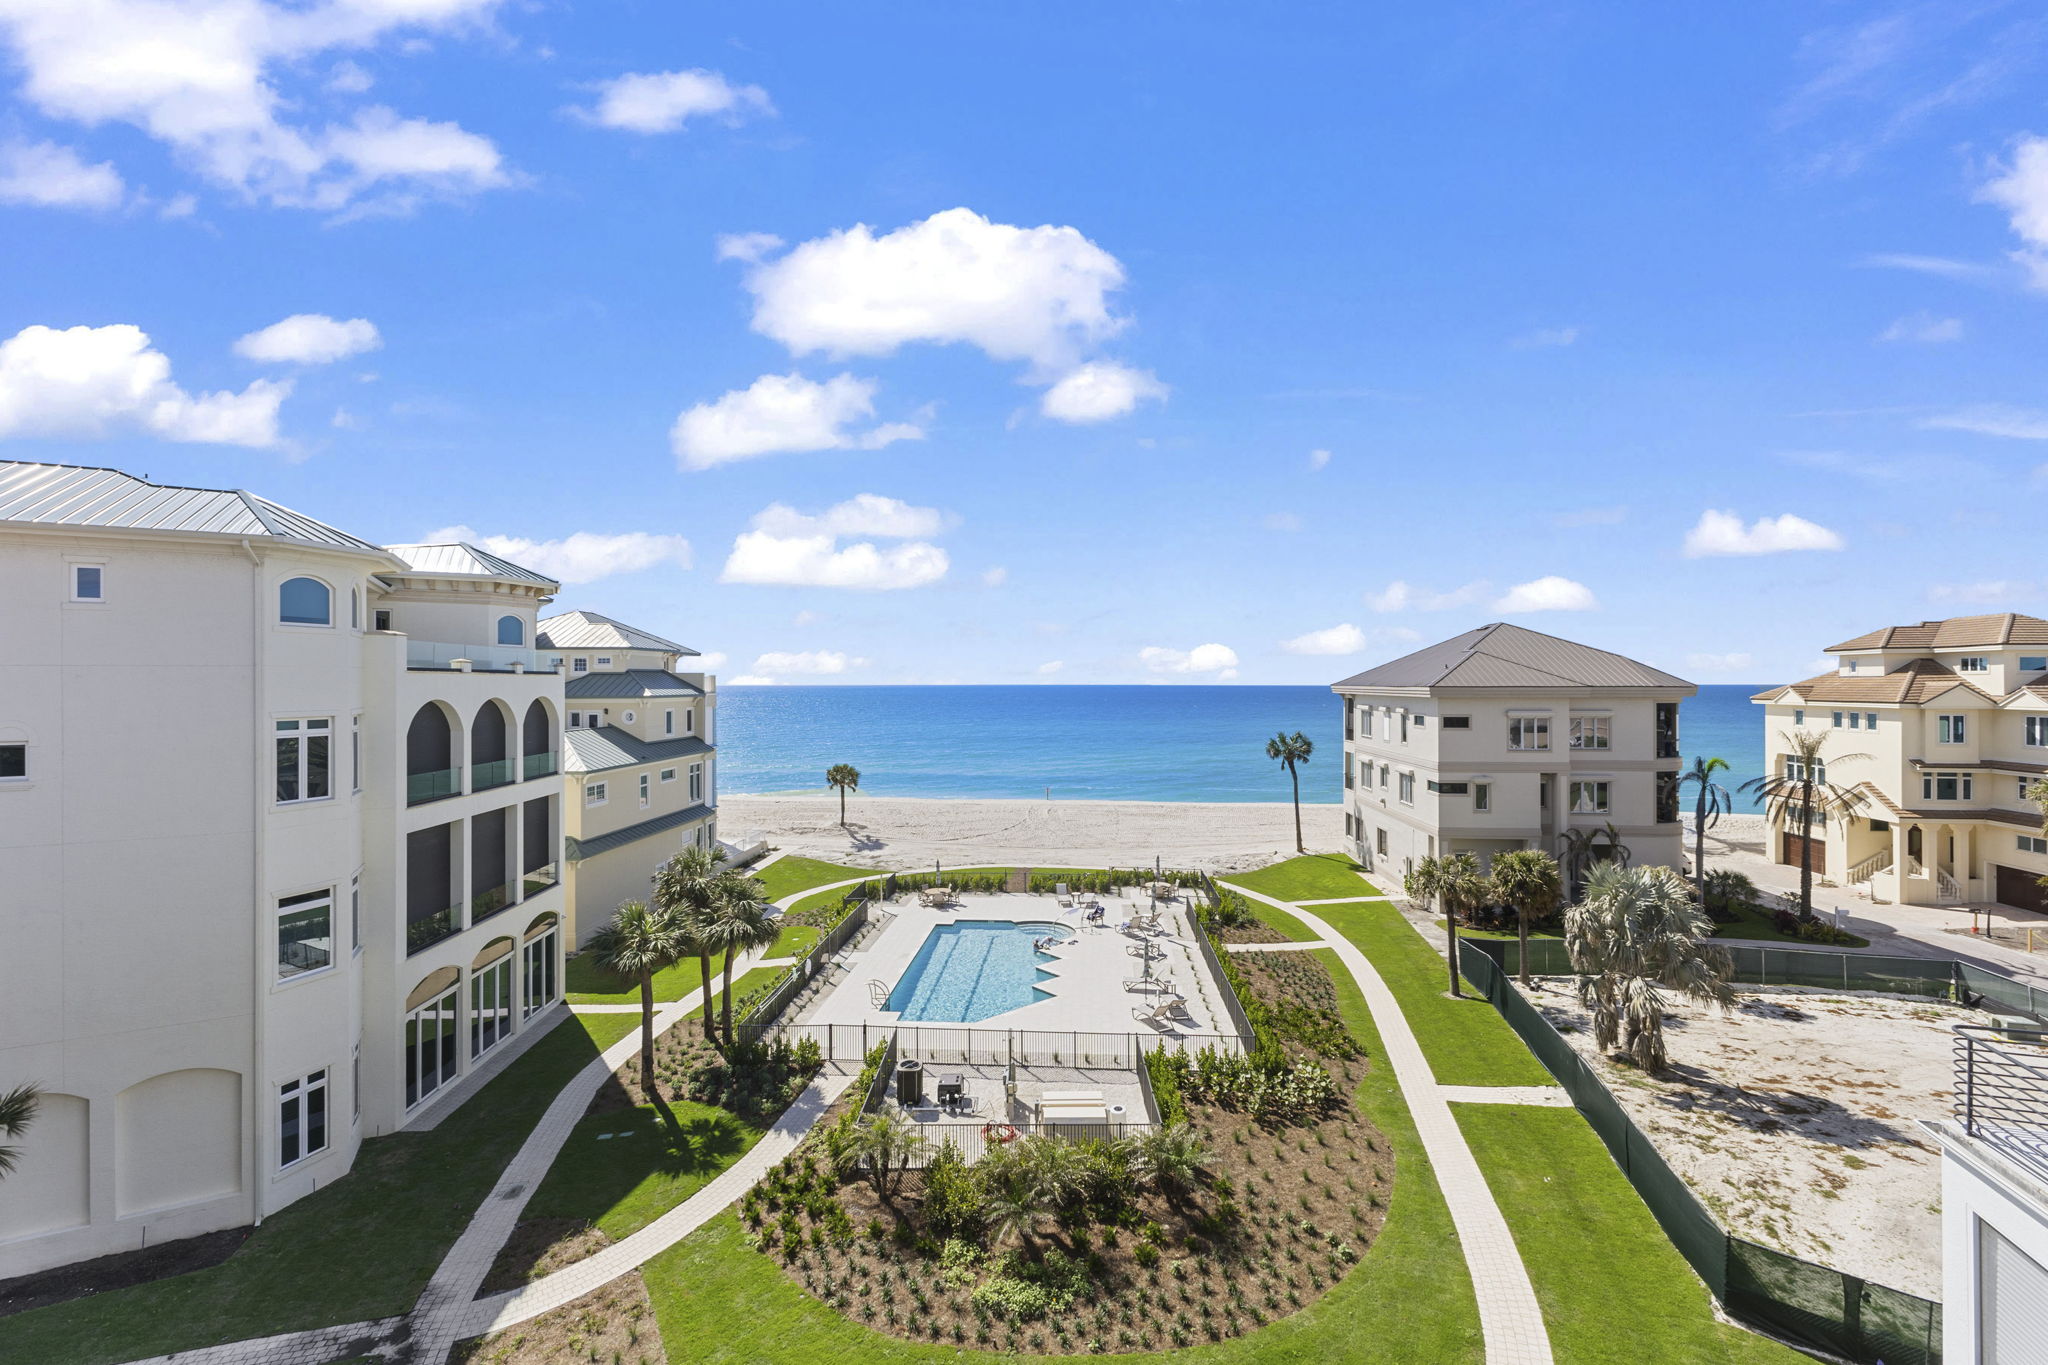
x: 483, y: 658
x: 1870, y: 867
x: 1945, y: 888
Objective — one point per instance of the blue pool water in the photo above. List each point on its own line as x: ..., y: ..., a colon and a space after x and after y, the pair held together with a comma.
x: 972, y: 969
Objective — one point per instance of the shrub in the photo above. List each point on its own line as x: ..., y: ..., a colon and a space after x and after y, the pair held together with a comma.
x: 952, y: 1195
x: 1023, y: 1290
x: 1146, y: 1255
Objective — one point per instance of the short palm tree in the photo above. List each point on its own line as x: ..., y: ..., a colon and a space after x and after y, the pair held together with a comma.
x: 1456, y: 885
x: 888, y: 1144
x: 1527, y: 879
x: 1710, y: 802
x: 1583, y: 847
x: 1637, y: 931
x: 1169, y: 1159
x: 739, y: 920
x: 1291, y: 751
x: 17, y: 1111
x: 685, y: 888
x: 635, y: 944
x: 1802, y: 792
x: 846, y: 778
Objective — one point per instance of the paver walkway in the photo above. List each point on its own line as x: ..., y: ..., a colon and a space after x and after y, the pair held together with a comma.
x: 1509, y: 1317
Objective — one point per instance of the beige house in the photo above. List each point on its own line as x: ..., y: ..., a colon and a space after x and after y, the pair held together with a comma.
x: 1504, y: 738
x: 638, y: 754
x: 1939, y: 728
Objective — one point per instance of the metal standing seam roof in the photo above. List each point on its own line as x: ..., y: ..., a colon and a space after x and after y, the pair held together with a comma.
x: 461, y: 559
x: 633, y: 682
x: 578, y: 849
x: 588, y: 630
x: 608, y: 747
x: 1512, y: 657
x: 84, y: 495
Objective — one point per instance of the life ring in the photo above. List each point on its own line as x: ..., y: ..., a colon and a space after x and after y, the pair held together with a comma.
x: 998, y: 1133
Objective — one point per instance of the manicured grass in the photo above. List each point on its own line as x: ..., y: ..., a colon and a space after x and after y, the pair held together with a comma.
x: 625, y: 1169
x: 1504, y: 935
x: 1314, y: 877
x: 589, y: 984
x: 1613, y: 1289
x: 1752, y: 923
x: 364, y: 1247
x: 787, y: 876
x: 1275, y: 918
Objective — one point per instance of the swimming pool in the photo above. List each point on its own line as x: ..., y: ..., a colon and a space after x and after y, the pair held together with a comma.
x: 972, y: 969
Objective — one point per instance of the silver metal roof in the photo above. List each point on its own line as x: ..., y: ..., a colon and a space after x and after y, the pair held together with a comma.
x: 588, y: 630
x: 1506, y: 656
x: 83, y: 495
x: 461, y: 559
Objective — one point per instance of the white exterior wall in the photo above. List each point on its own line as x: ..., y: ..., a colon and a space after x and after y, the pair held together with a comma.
x: 1980, y: 1186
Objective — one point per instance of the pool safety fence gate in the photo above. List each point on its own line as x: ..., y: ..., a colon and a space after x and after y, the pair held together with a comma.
x: 931, y: 1043
x: 759, y: 1021
x: 1808, y: 1305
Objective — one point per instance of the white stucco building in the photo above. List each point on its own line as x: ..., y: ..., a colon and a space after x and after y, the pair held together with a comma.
x: 1504, y: 738
x: 1939, y: 728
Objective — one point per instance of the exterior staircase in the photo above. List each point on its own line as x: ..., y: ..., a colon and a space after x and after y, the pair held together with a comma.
x: 1880, y: 861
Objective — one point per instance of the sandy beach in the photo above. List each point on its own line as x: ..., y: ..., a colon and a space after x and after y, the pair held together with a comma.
x: 908, y: 832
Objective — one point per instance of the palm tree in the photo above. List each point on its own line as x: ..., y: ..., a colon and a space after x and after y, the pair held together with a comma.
x: 1710, y: 803
x: 1169, y: 1159
x: 686, y: 888
x: 635, y: 944
x: 1455, y: 883
x: 1583, y: 847
x: 1802, y: 791
x: 1637, y: 930
x: 17, y: 1111
x: 1291, y: 751
x: 738, y: 921
x: 1526, y: 879
x: 888, y: 1143
x: 846, y: 777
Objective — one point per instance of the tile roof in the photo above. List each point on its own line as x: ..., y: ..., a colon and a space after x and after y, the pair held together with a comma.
x: 1911, y: 683
x: 633, y: 682
x: 1957, y: 632
x: 588, y: 630
x: 1508, y: 656
x: 607, y: 747
x: 463, y: 560
x: 84, y: 495
x: 579, y: 849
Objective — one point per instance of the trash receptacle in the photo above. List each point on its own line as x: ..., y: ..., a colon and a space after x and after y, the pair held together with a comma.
x: 909, y: 1082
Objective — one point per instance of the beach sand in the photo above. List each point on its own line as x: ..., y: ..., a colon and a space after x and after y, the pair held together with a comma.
x: 903, y: 833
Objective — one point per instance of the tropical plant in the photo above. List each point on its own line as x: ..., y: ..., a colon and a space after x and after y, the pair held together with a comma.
x: 1008, y: 1210
x: 1291, y: 751
x: 1169, y: 1159
x: 888, y: 1144
x: 953, y: 1203
x: 1527, y: 879
x: 1584, y: 846
x: 1455, y: 883
x: 17, y: 1111
x: 1801, y: 791
x: 1636, y: 934
x: 686, y: 888
x: 635, y: 943
x: 738, y: 919
x: 1725, y: 888
x: 1710, y: 802
x: 846, y: 778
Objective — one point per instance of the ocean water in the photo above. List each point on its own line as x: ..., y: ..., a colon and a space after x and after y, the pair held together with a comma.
x: 1092, y: 743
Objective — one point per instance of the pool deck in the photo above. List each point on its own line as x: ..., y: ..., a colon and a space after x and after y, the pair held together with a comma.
x: 1088, y: 969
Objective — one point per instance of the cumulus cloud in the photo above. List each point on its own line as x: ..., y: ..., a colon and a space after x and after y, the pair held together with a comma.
x: 747, y: 246
x: 1545, y: 338
x: 1400, y: 595
x: 1050, y: 667
x: 1993, y: 419
x: 778, y: 413
x: 46, y: 175
x: 864, y: 514
x: 750, y: 680
x: 663, y: 101
x: 706, y: 663
x: 1220, y: 660
x: 584, y: 557
x: 1722, y: 533
x: 788, y: 548
x: 1549, y: 593
x: 1319, y: 459
x: 1924, y: 327
x: 309, y: 339
x: 1099, y: 391
x: 2021, y: 189
x: 1342, y: 639
x: 1718, y: 663
x: 90, y: 382
x: 815, y: 661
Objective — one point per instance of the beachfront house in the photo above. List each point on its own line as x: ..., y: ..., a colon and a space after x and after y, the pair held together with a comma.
x: 1505, y: 738
x: 1938, y: 729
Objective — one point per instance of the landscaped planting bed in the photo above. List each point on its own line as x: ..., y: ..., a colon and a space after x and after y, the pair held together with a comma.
x: 611, y: 1325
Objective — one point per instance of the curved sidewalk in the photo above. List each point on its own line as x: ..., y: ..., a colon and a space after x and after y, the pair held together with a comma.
x: 1510, y: 1319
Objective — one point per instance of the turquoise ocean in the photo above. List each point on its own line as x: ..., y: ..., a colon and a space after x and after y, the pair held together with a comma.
x: 1093, y: 743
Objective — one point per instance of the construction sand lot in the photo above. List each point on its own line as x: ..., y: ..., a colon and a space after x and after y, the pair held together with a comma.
x: 1795, y: 1119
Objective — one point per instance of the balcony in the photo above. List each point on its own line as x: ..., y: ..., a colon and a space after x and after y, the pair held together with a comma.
x: 426, y: 931
x: 540, y: 765
x: 484, y: 776
x: 484, y: 904
x: 438, y: 785
x: 433, y: 654
x: 538, y: 880
x: 2002, y: 1091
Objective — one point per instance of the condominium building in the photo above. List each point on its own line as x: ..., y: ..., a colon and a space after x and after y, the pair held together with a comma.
x: 280, y: 831
x: 638, y: 755
x: 1504, y: 738
x: 1937, y: 729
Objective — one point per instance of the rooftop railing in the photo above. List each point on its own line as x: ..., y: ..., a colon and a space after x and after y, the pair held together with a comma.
x: 482, y: 658
x: 2002, y: 1090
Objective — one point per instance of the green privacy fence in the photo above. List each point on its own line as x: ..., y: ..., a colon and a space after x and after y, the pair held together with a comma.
x: 1798, y: 1301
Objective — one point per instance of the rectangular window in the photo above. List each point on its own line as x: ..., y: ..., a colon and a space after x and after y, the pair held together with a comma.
x: 1798, y: 716
x: 581, y: 666
x: 594, y: 794
x: 1528, y: 732
x: 1946, y: 786
x: 668, y: 722
x: 355, y: 753
x: 1667, y: 798
x: 539, y: 985
x: 2032, y: 844
x: 1348, y: 782
x: 1450, y: 788
x: 2033, y: 663
x: 301, y: 1119
x: 689, y: 722
x: 1365, y: 722
x: 1421, y: 721
x: 1404, y: 727
x: 13, y: 762
x: 1407, y: 792
x: 1482, y: 796
x: 1854, y: 665
x: 355, y: 1085
x: 696, y: 781
x: 1973, y: 663
x: 1838, y: 720
x: 380, y: 619
x: 2025, y: 783
x: 1591, y: 732
x: 490, y: 1006
x: 604, y: 661
x: 432, y: 1045
x: 668, y: 774
x: 1949, y: 729
x: 1589, y: 798
x: 1855, y: 720
x: 305, y: 934
x: 355, y: 913
x: 88, y: 583
x: 1870, y: 720
x: 2037, y: 731
x: 1384, y: 771
x: 1380, y: 842
x: 302, y: 759
x: 1457, y: 722
x: 643, y: 791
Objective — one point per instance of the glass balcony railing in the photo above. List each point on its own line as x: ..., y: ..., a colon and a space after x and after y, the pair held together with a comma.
x: 539, y: 765
x: 428, y: 930
x: 421, y: 788
x: 484, y: 904
x: 497, y: 773
x: 539, y: 879
x: 433, y: 654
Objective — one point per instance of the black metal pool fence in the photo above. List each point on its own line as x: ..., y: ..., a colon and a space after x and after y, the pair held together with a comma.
x: 1797, y: 1301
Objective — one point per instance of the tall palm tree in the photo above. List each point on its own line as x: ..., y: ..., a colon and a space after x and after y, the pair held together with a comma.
x: 1291, y: 751
x: 1527, y: 879
x: 739, y: 920
x: 1457, y: 886
x: 1802, y: 791
x: 635, y: 944
x: 1710, y: 803
x: 686, y: 888
x: 1638, y: 930
x: 846, y: 778
x: 17, y: 1111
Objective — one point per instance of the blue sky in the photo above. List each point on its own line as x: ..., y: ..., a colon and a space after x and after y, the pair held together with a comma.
x: 994, y: 344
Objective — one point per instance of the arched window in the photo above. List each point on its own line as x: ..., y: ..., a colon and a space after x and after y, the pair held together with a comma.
x: 511, y: 631
x: 305, y: 602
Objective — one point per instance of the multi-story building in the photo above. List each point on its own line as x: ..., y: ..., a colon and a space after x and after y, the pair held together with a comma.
x: 639, y: 757
x: 1503, y: 738
x: 1938, y: 729
x: 280, y: 824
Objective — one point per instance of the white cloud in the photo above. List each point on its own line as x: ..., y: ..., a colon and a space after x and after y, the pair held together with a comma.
x: 1994, y: 419
x: 783, y: 412
x: 1050, y: 667
x: 1549, y: 593
x: 309, y: 339
x: 584, y: 557
x: 817, y: 661
x: 994, y: 576
x: 817, y: 562
x: 747, y: 246
x: 1280, y: 521
x: 1545, y: 337
x: 706, y: 663
x: 662, y: 101
x: 344, y: 420
x: 1403, y: 596
x: 89, y: 382
x: 46, y: 175
x: 1722, y: 533
x: 1944, y: 266
x: 1099, y: 391
x: 1344, y: 639
x: 1319, y: 459
x: 1718, y: 663
x: 1923, y: 327
x: 864, y: 514
x: 750, y: 680
x: 1212, y: 658
x: 1990, y: 591
x: 2022, y: 191
x: 806, y: 618
x: 347, y: 78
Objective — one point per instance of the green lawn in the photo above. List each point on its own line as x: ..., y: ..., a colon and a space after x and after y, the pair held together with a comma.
x: 1752, y: 923
x: 589, y: 984
x: 787, y: 876
x: 625, y: 1169
x: 364, y: 1247
x: 1315, y: 877
x: 1614, y: 1291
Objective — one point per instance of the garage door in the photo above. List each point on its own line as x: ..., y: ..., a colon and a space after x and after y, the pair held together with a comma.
x: 1794, y: 842
x: 2018, y: 888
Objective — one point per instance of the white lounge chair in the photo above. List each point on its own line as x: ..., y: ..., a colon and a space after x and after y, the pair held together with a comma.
x: 1064, y: 896
x: 1161, y: 1014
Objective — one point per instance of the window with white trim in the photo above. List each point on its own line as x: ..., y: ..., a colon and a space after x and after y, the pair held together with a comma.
x: 689, y: 720
x: 2030, y: 843
x: 355, y: 913
x: 1870, y: 720
x: 301, y: 1119
x: 1945, y: 786
x: 668, y: 722
x: 355, y: 753
x: 644, y: 791
x: 1973, y: 663
x: 1592, y: 732
x: 1948, y: 729
x: 1528, y: 732
x: 88, y: 582
x: 580, y: 666
x: 696, y: 781
x: 1855, y: 720
x: 538, y: 983
x: 1365, y: 722
x: 604, y: 661
x: 1589, y: 797
x: 2025, y: 784
x: 1384, y: 770
x: 1798, y: 716
x: 594, y: 794
x: 13, y: 761
x: 303, y: 758
x: 668, y: 774
x: 305, y: 933
x: 1482, y: 796
x: 1838, y: 720
x: 305, y: 602
x: 1380, y: 842
x: 1407, y: 789
x: 2036, y: 730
